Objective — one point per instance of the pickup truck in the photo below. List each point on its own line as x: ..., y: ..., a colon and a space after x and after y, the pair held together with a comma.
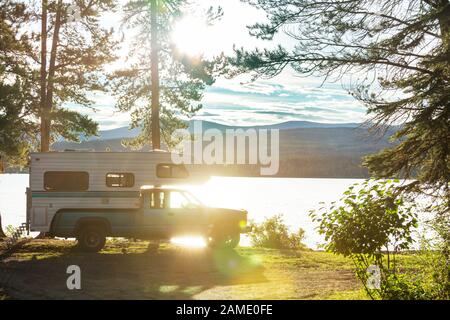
x: 164, y: 213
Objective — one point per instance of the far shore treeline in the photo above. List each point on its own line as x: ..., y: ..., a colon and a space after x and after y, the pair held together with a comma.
x: 307, y: 150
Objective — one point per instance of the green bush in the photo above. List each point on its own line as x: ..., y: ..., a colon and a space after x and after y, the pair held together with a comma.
x: 435, y: 270
x: 273, y: 233
x: 403, y: 287
x: 372, y: 224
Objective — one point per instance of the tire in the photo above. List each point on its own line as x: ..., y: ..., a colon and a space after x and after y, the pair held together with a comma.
x: 228, y: 241
x: 91, y: 238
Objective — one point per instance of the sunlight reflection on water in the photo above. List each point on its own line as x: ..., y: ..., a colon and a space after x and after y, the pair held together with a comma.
x: 265, y: 197
x: 261, y: 197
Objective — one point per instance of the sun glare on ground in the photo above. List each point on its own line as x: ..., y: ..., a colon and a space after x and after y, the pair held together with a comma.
x: 191, y: 242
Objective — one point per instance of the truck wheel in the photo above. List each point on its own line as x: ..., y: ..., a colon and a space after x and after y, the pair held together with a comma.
x: 229, y: 241
x: 91, y: 239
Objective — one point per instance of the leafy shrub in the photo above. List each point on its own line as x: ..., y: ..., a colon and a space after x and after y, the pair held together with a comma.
x: 273, y: 233
x: 435, y: 268
x: 371, y: 224
x: 370, y: 218
x: 403, y: 287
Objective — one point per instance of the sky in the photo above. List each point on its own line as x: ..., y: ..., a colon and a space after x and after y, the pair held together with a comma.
x: 239, y: 101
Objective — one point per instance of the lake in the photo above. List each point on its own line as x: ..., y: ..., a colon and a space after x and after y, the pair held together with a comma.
x: 261, y: 197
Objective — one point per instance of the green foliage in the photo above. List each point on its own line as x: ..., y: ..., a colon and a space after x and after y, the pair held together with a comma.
x: 401, y: 287
x: 273, y: 233
x: 371, y: 217
x: 372, y: 224
x: 430, y: 282
x: 82, y: 49
x: 435, y: 267
x: 17, y: 81
x: 396, y: 54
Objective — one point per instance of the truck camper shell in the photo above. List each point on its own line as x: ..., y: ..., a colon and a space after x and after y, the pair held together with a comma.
x: 97, y: 180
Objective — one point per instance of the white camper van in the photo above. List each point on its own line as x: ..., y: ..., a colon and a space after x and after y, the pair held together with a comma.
x: 97, y: 180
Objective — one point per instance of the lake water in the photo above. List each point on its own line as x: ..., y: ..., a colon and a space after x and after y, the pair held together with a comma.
x: 261, y: 197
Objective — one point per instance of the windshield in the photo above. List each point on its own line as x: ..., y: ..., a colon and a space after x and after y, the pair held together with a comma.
x: 192, y: 199
x: 182, y: 200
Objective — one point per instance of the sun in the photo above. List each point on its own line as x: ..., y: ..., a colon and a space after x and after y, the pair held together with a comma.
x: 192, y: 36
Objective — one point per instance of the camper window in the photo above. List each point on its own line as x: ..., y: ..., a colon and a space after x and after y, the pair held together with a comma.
x: 121, y: 180
x: 66, y: 181
x: 171, y: 171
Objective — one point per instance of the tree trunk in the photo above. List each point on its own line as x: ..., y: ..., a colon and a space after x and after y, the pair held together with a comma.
x: 46, y: 94
x: 47, y: 84
x: 444, y: 23
x: 51, y: 68
x: 155, y: 130
x: 45, y: 134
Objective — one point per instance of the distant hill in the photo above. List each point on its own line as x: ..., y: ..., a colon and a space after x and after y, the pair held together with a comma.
x: 307, y: 149
x: 126, y: 133
x: 119, y: 133
x: 281, y: 126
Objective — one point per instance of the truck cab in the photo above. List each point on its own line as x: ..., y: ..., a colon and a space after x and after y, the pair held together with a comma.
x: 164, y: 213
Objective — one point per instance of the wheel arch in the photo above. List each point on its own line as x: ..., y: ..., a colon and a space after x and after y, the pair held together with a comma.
x: 80, y: 223
x: 92, y: 221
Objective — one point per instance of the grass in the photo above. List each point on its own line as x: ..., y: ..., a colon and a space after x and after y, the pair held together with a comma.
x: 3, y: 295
x: 141, y: 270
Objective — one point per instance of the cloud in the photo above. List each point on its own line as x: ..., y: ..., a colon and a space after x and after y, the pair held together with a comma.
x: 286, y: 97
x: 240, y: 101
x: 103, y: 111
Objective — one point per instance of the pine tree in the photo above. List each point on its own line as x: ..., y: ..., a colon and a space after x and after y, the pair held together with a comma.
x: 18, y: 99
x: 53, y: 53
x: 70, y: 68
x: 162, y: 85
x: 397, y: 53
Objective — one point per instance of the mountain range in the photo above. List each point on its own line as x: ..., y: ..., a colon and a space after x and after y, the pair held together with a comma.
x: 307, y: 149
x: 127, y: 133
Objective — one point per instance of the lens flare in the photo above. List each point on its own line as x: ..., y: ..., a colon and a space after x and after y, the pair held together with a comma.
x: 190, y: 241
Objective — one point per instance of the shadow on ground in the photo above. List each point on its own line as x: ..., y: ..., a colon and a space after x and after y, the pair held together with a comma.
x: 121, y: 272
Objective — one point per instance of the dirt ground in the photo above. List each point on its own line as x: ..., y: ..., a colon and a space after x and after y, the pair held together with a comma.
x: 141, y: 270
